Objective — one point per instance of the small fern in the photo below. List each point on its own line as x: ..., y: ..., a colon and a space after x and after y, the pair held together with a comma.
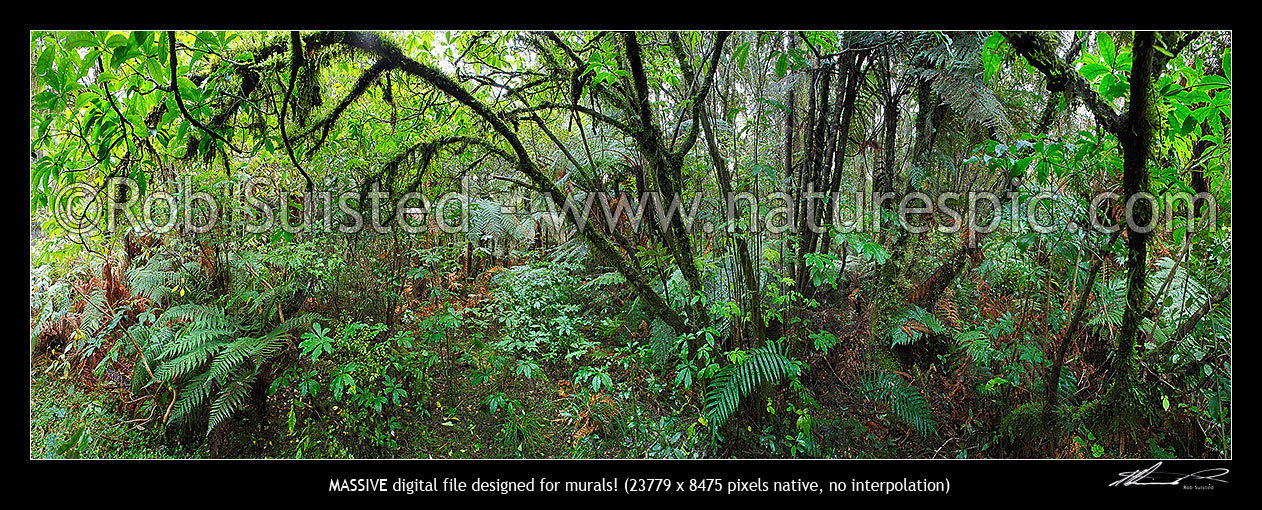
x: 904, y: 400
x: 767, y: 364
x: 977, y: 344
x: 913, y: 324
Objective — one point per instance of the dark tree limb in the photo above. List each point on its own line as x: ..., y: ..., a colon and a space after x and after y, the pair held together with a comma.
x: 295, y: 61
x: 326, y: 124
x: 1062, y: 77
x: 698, y: 95
x: 179, y: 101
x: 1052, y: 383
x: 548, y: 105
x: 1136, y: 139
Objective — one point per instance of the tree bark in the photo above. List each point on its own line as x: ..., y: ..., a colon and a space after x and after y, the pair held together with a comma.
x: 1135, y: 139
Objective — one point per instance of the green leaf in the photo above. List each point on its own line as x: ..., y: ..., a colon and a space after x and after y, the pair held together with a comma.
x: 1093, y: 70
x: 85, y: 99
x: 141, y: 37
x: 45, y: 61
x: 1107, y: 50
x: 778, y: 105
x: 116, y: 41
x: 742, y: 53
x: 80, y: 40
x: 1227, y: 63
x: 157, y: 72
x: 782, y: 65
x: 1119, y: 89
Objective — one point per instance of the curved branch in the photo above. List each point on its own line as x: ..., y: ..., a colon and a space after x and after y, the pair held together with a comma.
x: 365, y: 80
x: 295, y: 61
x: 1061, y: 76
x: 547, y: 105
x: 179, y: 101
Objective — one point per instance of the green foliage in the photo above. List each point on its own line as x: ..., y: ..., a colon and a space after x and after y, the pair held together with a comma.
x: 913, y: 324
x: 202, y: 353
x: 316, y: 342
x: 768, y: 364
x: 977, y: 344
x: 824, y: 341
x: 539, y: 306
x: 824, y: 269
x: 903, y: 399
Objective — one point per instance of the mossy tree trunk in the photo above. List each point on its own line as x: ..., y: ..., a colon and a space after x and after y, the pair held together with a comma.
x: 1136, y: 139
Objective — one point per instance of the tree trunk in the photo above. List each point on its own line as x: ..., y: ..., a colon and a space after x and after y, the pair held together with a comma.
x: 1135, y: 139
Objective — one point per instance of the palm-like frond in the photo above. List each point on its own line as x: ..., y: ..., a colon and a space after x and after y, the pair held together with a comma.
x: 904, y: 400
x: 764, y: 365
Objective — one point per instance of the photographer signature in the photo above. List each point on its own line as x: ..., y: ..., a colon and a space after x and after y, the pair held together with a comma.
x: 1151, y: 476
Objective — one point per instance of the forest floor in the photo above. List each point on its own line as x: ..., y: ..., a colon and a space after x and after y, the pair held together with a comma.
x: 636, y: 413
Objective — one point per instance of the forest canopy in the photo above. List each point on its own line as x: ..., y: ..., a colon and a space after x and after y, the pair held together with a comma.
x: 630, y: 244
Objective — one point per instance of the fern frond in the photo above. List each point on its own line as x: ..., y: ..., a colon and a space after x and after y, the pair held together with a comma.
x: 913, y: 324
x: 175, y: 369
x: 232, y: 357
x: 767, y: 364
x: 977, y: 344
x: 904, y: 400
x: 154, y: 279
x: 606, y: 279
x: 193, y: 338
x: 230, y: 398
x: 94, y: 312
x: 192, y: 394
x: 208, y: 316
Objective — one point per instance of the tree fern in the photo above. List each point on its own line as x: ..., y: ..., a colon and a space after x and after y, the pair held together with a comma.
x: 196, y: 313
x: 1111, y: 296
x: 767, y: 364
x: 51, y: 300
x: 952, y: 65
x: 175, y: 369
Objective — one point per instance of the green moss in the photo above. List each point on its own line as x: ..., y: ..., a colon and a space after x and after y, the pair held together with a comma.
x: 1121, y: 409
x: 1023, y: 423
